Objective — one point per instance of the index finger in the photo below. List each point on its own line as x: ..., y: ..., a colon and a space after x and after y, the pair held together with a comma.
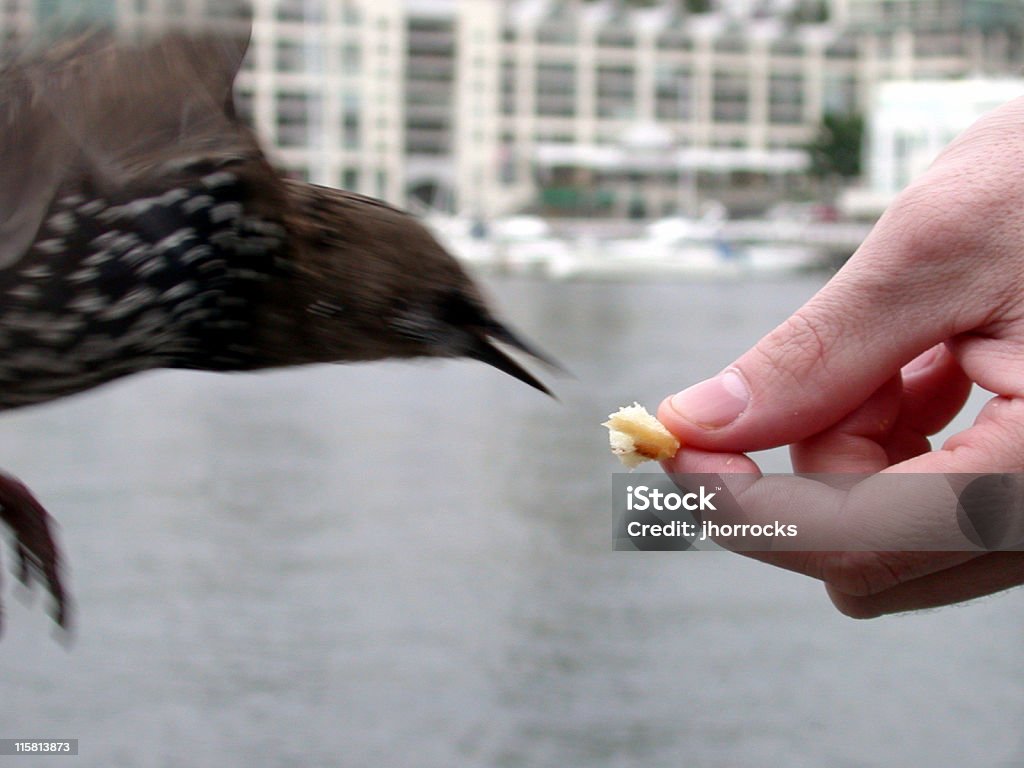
x: 860, y: 533
x: 865, y: 534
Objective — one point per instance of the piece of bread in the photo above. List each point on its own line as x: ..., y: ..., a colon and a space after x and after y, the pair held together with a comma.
x: 636, y: 436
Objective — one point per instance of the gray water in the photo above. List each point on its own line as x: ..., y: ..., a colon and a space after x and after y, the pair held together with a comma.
x: 411, y: 565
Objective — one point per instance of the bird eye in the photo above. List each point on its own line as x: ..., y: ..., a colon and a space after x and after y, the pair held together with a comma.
x: 456, y: 310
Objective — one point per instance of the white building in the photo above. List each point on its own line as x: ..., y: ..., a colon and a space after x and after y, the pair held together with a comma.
x: 910, y: 123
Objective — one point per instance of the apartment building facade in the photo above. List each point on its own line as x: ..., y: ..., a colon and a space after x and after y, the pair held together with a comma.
x: 613, y: 109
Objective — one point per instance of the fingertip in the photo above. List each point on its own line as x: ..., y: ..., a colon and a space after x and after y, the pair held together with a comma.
x: 695, y: 461
x: 923, y: 362
x: 667, y: 415
x: 935, y: 389
x: 854, y: 607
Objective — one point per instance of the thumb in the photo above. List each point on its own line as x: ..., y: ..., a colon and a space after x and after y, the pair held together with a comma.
x: 811, y: 371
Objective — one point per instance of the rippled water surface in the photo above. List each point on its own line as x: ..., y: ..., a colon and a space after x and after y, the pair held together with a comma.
x: 411, y: 565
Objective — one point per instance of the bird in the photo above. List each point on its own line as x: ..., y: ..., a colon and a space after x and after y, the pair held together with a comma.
x: 143, y: 226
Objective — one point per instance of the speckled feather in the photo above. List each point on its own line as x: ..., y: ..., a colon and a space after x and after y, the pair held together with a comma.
x: 152, y: 222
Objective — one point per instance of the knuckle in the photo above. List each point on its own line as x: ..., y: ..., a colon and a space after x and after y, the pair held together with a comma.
x: 931, y: 221
x: 798, y: 346
x: 965, y: 202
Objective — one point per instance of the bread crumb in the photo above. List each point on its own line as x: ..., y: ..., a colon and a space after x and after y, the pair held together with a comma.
x: 636, y: 436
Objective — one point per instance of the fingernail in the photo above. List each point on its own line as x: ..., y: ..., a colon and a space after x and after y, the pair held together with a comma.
x: 714, y: 402
x: 924, y: 360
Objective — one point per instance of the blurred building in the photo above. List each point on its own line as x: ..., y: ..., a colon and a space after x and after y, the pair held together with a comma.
x: 581, y: 108
x: 325, y: 86
x: 613, y: 109
x: 910, y: 123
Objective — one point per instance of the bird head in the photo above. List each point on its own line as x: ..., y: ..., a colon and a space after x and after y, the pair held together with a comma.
x: 368, y: 281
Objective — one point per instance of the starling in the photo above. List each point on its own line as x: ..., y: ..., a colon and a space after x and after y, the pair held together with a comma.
x: 141, y: 226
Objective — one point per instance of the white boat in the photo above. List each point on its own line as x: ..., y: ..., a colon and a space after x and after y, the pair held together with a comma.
x: 667, y: 247
x: 686, y: 248
x: 515, y: 244
x: 465, y: 239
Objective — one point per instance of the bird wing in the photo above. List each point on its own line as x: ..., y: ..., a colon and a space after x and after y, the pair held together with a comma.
x: 113, y: 112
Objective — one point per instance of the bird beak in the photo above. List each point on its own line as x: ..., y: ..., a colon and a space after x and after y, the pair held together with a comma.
x: 485, y: 350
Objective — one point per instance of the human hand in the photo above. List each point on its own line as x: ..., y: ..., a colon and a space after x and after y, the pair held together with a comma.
x: 883, y: 357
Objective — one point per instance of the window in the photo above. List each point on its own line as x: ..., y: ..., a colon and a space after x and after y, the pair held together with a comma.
x: 298, y: 119
x: 786, y: 99
x: 939, y: 45
x: 351, y: 58
x: 556, y: 89
x: 508, y: 172
x: 299, y: 10
x: 731, y: 98
x: 616, y: 91
x: 560, y: 25
x: 731, y: 43
x: 843, y: 49
x: 675, y: 40
x: 508, y: 88
x: 674, y: 93
x: 290, y: 57
x: 841, y: 94
x: 86, y: 10
x: 294, y: 56
x: 351, y: 134
x: 786, y: 47
x: 244, y: 106
x: 556, y: 33
x: 616, y: 34
x: 350, y: 13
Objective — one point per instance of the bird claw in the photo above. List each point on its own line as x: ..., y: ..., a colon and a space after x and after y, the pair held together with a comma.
x: 37, y: 555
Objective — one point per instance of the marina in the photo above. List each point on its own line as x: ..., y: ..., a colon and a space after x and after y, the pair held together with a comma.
x: 709, y: 247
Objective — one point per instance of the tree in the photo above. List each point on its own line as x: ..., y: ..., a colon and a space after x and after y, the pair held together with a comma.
x: 809, y: 12
x: 836, y: 150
